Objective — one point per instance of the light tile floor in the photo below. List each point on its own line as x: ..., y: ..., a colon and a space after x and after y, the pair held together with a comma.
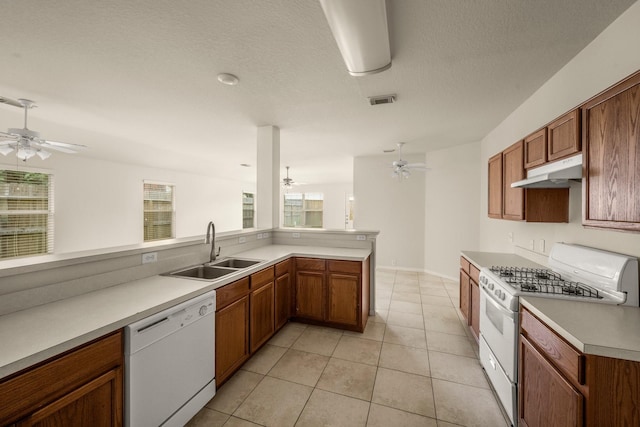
x: 415, y: 365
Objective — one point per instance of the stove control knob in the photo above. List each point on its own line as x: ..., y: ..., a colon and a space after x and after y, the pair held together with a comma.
x: 498, y: 292
x: 491, y: 286
x: 503, y: 296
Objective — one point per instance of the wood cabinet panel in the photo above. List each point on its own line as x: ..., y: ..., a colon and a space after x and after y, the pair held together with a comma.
x: 546, y: 398
x: 564, y: 136
x: 512, y: 171
x: 262, y: 315
x: 310, y: 295
x: 283, y: 298
x: 566, y: 358
x: 474, y: 273
x: 313, y: 264
x: 227, y: 294
x: 65, y: 378
x: 547, y: 205
x: 495, y: 186
x: 535, y: 149
x: 465, y: 295
x: 343, y: 298
x: 474, y: 321
x: 353, y: 267
x: 232, y: 338
x: 284, y: 267
x: 464, y: 264
x: 611, y: 142
x: 93, y: 404
x: 262, y: 277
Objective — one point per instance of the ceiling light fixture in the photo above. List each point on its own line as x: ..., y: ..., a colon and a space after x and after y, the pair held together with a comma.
x: 287, y: 182
x: 228, y: 79
x: 361, y: 31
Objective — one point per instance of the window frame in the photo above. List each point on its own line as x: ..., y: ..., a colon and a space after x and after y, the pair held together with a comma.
x: 145, y: 210
x: 29, y: 249
x: 303, y: 211
x: 253, y: 209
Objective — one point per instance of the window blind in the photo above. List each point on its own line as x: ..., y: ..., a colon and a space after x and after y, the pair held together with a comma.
x: 26, y: 213
x: 159, y: 211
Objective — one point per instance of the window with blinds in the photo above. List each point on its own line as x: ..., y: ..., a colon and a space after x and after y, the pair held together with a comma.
x: 303, y: 210
x: 248, y: 210
x: 159, y: 211
x: 26, y: 213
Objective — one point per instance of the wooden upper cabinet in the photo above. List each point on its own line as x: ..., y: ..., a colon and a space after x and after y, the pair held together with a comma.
x: 611, y: 149
x: 512, y: 171
x: 564, y: 136
x: 535, y: 149
x: 495, y: 186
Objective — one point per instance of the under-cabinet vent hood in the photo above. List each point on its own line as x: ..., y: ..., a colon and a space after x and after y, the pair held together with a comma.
x: 553, y: 175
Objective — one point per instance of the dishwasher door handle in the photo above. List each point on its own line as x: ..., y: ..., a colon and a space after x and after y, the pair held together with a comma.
x: 151, y: 325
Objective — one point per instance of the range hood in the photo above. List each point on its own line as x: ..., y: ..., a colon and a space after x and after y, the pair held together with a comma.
x: 553, y: 175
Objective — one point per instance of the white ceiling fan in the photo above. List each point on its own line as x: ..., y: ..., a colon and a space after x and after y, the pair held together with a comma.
x: 26, y: 142
x: 402, y: 168
x: 287, y: 182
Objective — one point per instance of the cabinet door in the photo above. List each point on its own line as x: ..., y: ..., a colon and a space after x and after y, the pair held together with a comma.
x: 232, y: 338
x: 564, y: 136
x: 475, y: 308
x: 546, y: 398
x: 535, y: 149
x: 465, y: 295
x: 310, y: 299
x: 611, y: 142
x: 93, y: 404
x: 495, y: 186
x: 262, y: 315
x: 283, y: 299
x: 343, y: 298
x: 512, y: 171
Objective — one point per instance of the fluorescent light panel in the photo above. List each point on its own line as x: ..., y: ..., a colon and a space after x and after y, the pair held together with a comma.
x: 361, y: 31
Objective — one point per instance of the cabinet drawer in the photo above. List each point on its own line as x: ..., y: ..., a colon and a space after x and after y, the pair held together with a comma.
x: 561, y: 354
x: 36, y: 387
x: 474, y: 273
x: 283, y: 267
x: 354, y: 267
x: 262, y: 277
x: 464, y: 264
x: 310, y: 264
x: 231, y: 292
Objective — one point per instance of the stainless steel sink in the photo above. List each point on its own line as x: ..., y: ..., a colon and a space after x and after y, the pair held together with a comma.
x: 204, y: 272
x: 235, y: 263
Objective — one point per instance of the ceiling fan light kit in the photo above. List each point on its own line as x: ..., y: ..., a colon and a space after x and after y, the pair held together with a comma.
x: 402, y: 168
x: 26, y: 142
x: 361, y: 32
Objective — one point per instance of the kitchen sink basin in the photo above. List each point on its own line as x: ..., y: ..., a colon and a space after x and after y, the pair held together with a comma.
x: 205, y: 272
x: 235, y: 263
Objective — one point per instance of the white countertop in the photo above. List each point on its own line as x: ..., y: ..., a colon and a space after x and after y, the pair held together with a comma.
x: 489, y: 259
x: 36, y: 334
x: 599, y: 329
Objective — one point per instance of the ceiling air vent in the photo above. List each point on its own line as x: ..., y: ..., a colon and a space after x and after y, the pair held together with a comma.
x: 383, y: 99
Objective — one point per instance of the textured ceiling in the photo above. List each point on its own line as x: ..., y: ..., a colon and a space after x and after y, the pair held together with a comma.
x: 136, y: 81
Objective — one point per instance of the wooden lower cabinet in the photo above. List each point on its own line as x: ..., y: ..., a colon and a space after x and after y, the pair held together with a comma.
x: 283, y: 293
x: 232, y: 338
x: 82, y: 387
x: 558, y: 385
x: 262, y: 313
x: 470, y: 295
x: 547, y: 399
x: 333, y: 292
x: 342, y: 298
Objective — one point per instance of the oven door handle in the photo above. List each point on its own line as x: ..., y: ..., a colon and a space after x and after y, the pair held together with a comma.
x: 510, y: 314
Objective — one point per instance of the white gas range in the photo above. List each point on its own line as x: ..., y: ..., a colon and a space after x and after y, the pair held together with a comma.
x: 574, y: 273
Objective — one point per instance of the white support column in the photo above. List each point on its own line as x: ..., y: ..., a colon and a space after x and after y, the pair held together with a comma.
x: 268, y: 177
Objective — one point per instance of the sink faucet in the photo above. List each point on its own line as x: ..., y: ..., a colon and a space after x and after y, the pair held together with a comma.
x: 211, y: 239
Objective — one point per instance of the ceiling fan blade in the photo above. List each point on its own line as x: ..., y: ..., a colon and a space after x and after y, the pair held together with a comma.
x: 64, y: 147
x: 9, y: 101
x: 416, y: 165
x: 4, y: 136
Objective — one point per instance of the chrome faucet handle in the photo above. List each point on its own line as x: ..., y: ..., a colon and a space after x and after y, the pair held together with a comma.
x: 218, y: 253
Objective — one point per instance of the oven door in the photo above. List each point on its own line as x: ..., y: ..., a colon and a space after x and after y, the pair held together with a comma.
x: 499, y: 328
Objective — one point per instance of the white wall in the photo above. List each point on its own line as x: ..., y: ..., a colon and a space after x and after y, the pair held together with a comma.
x: 333, y: 202
x: 451, y: 215
x: 612, y: 56
x: 395, y: 208
x: 98, y: 204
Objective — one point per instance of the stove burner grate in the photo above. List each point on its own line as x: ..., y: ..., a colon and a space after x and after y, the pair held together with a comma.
x: 543, y: 281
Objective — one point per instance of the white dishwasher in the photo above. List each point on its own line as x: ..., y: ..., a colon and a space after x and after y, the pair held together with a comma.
x: 170, y: 364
